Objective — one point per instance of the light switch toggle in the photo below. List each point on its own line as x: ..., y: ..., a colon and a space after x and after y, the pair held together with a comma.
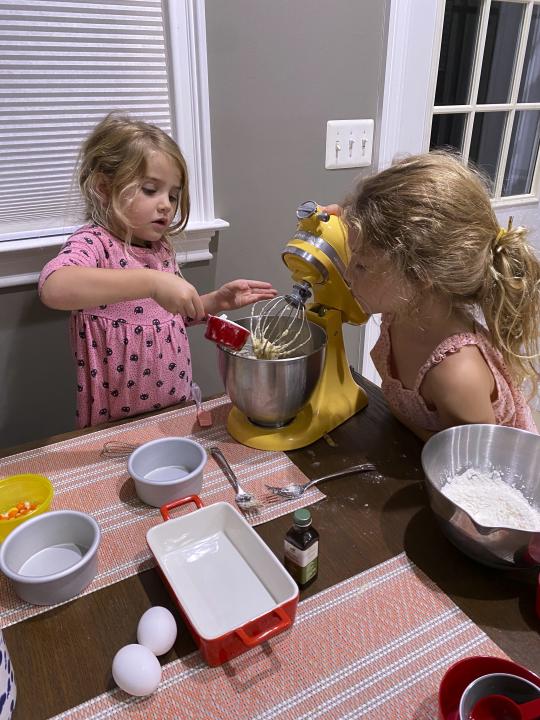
x: 349, y: 143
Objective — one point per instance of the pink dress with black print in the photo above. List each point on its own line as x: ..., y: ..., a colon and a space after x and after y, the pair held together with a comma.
x: 509, y: 406
x: 133, y: 356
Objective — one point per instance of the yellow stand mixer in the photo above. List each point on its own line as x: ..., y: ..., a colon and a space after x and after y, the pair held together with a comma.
x: 317, y: 257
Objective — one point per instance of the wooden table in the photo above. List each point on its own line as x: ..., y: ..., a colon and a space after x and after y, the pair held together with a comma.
x: 63, y: 657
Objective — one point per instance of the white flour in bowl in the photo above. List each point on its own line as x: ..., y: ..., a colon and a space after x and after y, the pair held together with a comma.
x: 491, y: 501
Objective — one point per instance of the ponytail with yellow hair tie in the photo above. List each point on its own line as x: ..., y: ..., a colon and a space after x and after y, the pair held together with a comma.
x: 497, y: 244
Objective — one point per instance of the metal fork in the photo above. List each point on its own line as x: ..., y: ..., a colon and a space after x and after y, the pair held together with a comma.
x: 245, y: 500
x: 295, y: 490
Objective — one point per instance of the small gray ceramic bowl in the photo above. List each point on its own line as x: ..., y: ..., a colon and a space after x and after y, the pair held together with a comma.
x: 52, y: 557
x: 167, y: 469
x: 516, y: 688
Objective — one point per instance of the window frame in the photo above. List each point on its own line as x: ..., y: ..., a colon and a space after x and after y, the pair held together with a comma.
x: 21, y: 259
x: 510, y: 107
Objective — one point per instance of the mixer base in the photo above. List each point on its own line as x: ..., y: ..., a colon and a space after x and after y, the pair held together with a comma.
x: 272, y: 426
x: 309, y: 425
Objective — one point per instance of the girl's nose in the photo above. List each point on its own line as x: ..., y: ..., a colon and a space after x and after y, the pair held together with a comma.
x: 164, y: 203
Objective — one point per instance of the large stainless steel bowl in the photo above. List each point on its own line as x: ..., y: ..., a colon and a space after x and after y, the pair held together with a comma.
x: 272, y: 392
x: 516, y: 454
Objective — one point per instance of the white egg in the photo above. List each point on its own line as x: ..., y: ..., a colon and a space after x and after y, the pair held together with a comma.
x: 136, y: 670
x: 157, y: 630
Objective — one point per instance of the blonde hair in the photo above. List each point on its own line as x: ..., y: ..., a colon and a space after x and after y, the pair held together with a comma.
x: 115, y: 154
x: 430, y: 216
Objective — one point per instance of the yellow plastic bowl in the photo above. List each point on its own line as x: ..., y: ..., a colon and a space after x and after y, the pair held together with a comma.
x: 20, y: 488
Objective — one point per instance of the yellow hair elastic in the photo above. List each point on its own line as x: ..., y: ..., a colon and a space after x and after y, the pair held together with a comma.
x: 497, y: 246
x: 500, y: 235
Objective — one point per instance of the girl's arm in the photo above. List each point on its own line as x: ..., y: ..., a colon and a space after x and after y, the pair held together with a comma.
x: 461, y: 388
x: 72, y: 288
x: 419, y: 432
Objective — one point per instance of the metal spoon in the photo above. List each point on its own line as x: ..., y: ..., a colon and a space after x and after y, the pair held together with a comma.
x: 245, y: 500
x: 294, y: 490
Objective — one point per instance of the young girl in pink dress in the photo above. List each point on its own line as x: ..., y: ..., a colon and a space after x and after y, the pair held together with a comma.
x: 118, y: 275
x: 459, y: 296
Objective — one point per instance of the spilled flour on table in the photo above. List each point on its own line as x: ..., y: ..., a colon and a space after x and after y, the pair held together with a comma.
x: 491, y: 501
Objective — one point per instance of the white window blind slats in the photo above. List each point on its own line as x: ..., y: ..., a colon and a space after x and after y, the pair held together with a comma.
x: 87, y: 119
x: 66, y: 76
x: 23, y: 153
x: 59, y: 102
x: 63, y: 67
x: 49, y: 165
x: 36, y: 16
x: 40, y: 185
x: 45, y: 8
x: 43, y: 19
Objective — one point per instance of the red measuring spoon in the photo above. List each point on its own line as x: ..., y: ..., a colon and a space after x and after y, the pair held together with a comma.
x: 501, y: 707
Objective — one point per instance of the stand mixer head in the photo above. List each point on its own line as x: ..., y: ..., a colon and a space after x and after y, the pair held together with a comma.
x: 317, y: 257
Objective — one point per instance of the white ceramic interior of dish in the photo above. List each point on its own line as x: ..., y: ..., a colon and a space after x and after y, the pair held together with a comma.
x: 167, y: 469
x: 220, y: 570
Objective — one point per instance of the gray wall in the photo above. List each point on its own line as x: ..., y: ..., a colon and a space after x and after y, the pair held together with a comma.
x: 38, y: 379
x: 271, y: 93
x: 278, y: 70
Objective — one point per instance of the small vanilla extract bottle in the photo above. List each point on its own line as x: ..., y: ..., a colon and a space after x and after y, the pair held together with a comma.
x: 302, y: 549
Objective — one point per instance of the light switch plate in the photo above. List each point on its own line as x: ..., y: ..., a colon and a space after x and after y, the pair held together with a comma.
x: 349, y: 143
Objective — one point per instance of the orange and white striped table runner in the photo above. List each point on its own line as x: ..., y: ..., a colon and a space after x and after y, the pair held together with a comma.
x: 373, y: 646
x: 101, y: 487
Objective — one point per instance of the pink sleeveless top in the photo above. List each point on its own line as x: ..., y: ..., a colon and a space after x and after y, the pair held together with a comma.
x: 510, y: 406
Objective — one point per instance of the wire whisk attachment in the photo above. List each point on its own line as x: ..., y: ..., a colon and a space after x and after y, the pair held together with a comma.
x: 278, y: 326
x: 116, y: 448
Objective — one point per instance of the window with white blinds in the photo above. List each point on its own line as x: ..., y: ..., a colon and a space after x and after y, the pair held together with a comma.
x: 64, y: 65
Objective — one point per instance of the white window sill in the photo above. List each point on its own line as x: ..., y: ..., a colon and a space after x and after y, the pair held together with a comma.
x: 21, y: 261
x: 514, y: 200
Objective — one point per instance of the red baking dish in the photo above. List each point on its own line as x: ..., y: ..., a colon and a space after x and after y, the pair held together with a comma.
x: 226, y: 332
x: 231, y: 590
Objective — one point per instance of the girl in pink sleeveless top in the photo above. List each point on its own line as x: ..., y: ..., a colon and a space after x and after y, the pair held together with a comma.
x: 509, y: 405
x: 428, y: 254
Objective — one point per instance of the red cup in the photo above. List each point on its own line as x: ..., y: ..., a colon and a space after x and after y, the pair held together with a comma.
x: 463, y: 672
x: 226, y: 332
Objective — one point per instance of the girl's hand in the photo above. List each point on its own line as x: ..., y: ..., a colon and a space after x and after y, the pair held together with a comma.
x: 177, y: 296
x: 333, y: 209
x: 237, y: 294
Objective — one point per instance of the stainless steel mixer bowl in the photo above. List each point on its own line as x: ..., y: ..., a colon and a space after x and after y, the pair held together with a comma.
x: 516, y: 454
x: 272, y: 392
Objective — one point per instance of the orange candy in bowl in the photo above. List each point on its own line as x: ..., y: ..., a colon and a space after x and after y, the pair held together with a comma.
x: 22, y: 497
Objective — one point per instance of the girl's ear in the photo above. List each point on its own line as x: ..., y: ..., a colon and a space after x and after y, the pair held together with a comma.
x: 103, y: 188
